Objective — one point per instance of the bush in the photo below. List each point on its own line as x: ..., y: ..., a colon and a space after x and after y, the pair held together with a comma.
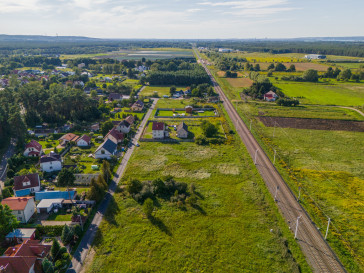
x: 50, y: 231
x: 201, y: 140
x: 287, y: 102
x: 148, y: 207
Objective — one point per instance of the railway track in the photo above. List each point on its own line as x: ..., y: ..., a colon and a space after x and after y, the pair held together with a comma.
x: 318, y: 253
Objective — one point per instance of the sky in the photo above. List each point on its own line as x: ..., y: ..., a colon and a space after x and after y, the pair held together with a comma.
x: 183, y: 19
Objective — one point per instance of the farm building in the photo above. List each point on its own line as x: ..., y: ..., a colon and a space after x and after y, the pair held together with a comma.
x: 47, y: 205
x: 315, y: 56
x: 182, y: 130
x: 270, y: 96
x: 189, y: 109
x: 21, y: 234
x: 26, y: 184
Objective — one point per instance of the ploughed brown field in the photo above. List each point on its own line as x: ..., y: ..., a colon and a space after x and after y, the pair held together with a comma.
x: 313, y: 124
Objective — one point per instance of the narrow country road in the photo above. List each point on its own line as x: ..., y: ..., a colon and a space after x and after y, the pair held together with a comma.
x: 85, y: 244
x: 318, y: 253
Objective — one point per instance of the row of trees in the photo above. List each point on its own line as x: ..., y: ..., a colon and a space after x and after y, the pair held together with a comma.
x: 197, y: 75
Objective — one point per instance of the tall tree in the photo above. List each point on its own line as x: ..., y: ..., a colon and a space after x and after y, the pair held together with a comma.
x: 8, y: 221
x: 66, y: 178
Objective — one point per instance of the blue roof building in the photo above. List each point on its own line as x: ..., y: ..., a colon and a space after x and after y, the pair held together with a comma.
x: 54, y: 195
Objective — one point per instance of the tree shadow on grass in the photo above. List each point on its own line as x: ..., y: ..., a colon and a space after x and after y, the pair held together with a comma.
x: 159, y: 224
x: 197, y: 207
x: 111, y: 212
x: 199, y: 195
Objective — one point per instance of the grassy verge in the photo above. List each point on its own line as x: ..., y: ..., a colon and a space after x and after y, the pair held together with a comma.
x: 323, y: 164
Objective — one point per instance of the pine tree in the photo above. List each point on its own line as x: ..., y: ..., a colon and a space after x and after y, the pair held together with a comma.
x: 55, y: 249
x: 65, y: 235
x: 106, y: 171
x: 47, y: 266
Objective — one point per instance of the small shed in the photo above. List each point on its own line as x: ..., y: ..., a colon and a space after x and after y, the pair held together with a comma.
x: 21, y: 234
x: 46, y: 205
x: 189, y: 109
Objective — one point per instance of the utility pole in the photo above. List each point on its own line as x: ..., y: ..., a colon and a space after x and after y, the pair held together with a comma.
x: 299, y: 194
x: 250, y: 125
x: 255, y: 158
x: 275, y: 196
x: 327, y: 229
x: 298, y: 219
x: 274, y: 159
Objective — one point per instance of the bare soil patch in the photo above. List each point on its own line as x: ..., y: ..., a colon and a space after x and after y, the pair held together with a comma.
x: 313, y: 124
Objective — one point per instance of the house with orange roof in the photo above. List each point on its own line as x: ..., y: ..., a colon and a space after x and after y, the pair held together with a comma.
x: 22, y: 207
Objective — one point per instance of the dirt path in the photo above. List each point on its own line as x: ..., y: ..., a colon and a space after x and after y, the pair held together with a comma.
x: 351, y: 108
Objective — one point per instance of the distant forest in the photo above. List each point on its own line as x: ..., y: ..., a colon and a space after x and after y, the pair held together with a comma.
x: 354, y: 49
x: 81, y: 47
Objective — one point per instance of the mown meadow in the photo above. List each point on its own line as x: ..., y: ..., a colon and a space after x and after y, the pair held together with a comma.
x: 235, y: 226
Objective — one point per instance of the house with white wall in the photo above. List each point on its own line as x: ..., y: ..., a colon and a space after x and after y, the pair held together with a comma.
x: 22, y: 207
x: 51, y: 162
x: 33, y: 148
x: 26, y: 184
x: 107, y: 149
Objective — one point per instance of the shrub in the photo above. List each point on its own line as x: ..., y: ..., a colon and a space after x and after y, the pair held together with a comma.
x: 148, y: 207
x: 201, y: 140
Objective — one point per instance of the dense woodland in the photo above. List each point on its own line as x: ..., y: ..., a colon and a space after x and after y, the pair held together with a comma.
x: 355, y: 49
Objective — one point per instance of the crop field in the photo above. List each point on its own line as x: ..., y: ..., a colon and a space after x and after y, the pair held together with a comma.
x: 148, y: 53
x: 307, y: 111
x: 350, y: 65
x: 229, y: 230
x: 346, y: 94
x: 325, y: 166
x: 160, y: 90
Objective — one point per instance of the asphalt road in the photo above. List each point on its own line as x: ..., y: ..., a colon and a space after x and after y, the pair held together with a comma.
x: 87, y: 239
x: 318, y: 253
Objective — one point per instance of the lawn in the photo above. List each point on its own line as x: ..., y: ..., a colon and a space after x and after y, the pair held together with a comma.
x: 62, y: 216
x: 160, y: 90
x: 229, y: 231
x: 346, y: 94
x: 171, y: 113
x: 194, y: 127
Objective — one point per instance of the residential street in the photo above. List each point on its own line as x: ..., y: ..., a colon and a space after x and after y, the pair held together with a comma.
x: 84, y: 247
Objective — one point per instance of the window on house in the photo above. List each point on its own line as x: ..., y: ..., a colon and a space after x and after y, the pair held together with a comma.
x: 102, y: 152
x: 19, y: 212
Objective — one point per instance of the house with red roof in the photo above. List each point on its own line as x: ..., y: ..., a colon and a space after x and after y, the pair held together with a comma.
x: 115, y: 136
x: 22, y: 207
x: 270, y: 96
x: 24, y: 258
x: 84, y: 141
x: 130, y: 119
x: 68, y: 138
x: 159, y: 130
x: 26, y: 184
x: 33, y: 148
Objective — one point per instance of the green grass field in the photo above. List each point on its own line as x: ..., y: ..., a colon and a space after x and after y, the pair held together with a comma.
x: 161, y: 90
x: 327, y: 165
x: 307, y: 111
x: 229, y: 230
x: 166, y: 113
x: 346, y: 94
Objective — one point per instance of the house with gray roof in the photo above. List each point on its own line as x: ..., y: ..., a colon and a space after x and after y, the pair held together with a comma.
x: 107, y: 149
